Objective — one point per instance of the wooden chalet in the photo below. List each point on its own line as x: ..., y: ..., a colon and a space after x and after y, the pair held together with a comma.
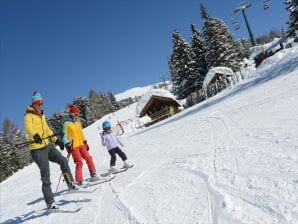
x: 159, y: 108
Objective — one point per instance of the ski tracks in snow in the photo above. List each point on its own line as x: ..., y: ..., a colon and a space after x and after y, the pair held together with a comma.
x: 243, y: 183
x: 120, y: 205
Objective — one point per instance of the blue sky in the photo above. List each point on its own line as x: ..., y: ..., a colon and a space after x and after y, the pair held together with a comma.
x: 64, y: 48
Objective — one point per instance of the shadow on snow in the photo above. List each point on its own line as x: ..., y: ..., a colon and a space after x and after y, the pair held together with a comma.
x: 39, y: 213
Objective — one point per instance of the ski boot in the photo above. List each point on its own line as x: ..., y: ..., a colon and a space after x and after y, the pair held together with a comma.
x: 113, y: 170
x: 126, y: 165
x: 94, y: 177
x: 52, y: 205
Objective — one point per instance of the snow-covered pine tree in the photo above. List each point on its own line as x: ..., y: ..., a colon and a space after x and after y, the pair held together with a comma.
x: 106, y: 105
x: 96, y: 100
x: 103, y: 103
x: 92, y: 94
x: 109, y: 105
x: 114, y: 103
x: 199, y: 49
x: 5, y: 171
x: 10, y: 130
x: 245, y: 45
x: 87, y: 110
x: 57, y: 120
x: 204, y: 13
x: 23, y: 153
x: 222, y: 49
x: 184, y: 74
x: 13, y: 158
x: 292, y: 7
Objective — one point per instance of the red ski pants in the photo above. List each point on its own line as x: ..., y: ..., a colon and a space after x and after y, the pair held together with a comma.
x: 78, y: 154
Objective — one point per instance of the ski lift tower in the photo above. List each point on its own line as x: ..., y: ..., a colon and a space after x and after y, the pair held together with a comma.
x: 242, y: 8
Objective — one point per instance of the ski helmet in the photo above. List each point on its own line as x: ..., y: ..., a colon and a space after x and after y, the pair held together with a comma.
x: 106, y: 125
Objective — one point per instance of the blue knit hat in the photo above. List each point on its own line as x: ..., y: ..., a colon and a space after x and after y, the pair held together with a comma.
x: 36, y: 98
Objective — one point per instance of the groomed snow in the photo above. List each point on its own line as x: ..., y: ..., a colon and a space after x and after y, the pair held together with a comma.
x: 230, y: 159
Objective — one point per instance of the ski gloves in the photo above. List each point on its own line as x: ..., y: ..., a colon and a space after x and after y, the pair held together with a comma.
x: 59, y: 143
x: 86, y: 145
x: 37, y: 138
x: 69, y: 148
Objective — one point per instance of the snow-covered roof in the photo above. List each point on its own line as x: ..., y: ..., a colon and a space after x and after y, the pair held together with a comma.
x: 217, y: 70
x: 147, y: 96
x: 138, y: 91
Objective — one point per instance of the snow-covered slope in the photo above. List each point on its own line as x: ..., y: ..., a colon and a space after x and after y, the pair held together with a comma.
x: 230, y: 159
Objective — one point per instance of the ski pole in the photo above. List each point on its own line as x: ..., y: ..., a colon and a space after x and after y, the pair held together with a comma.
x: 68, y: 155
x: 31, y: 142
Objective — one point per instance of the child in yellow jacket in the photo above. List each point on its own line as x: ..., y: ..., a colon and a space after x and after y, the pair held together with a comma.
x: 76, y: 144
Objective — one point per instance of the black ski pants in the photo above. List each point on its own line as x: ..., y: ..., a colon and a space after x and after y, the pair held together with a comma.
x: 42, y: 157
x: 113, y: 153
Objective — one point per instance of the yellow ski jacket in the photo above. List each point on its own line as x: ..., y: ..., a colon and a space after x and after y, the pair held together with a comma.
x: 73, y: 133
x: 37, y: 124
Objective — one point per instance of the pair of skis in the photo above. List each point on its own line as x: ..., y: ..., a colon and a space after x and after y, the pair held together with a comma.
x: 105, y: 177
x: 123, y: 169
x: 83, y: 189
x: 95, y: 181
x: 49, y: 211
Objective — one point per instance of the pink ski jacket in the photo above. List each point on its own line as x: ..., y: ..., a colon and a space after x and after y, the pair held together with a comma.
x: 110, y: 140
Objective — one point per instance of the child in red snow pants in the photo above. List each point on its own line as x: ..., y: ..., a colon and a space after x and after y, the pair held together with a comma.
x: 78, y: 154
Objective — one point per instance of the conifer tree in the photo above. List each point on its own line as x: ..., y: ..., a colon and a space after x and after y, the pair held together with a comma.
x: 199, y: 49
x: 222, y: 49
x: 10, y: 130
x: 13, y: 158
x: 292, y: 7
x: 96, y: 100
x: 105, y: 104
x: 204, y: 13
x: 114, y: 103
x: 92, y: 94
x: 184, y: 74
x: 87, y: 110
x: 57, y: 120
x: 109, y: 105
x: 244, y: 46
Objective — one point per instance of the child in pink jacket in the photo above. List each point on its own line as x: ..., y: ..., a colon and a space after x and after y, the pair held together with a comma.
x: 112, y: 143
